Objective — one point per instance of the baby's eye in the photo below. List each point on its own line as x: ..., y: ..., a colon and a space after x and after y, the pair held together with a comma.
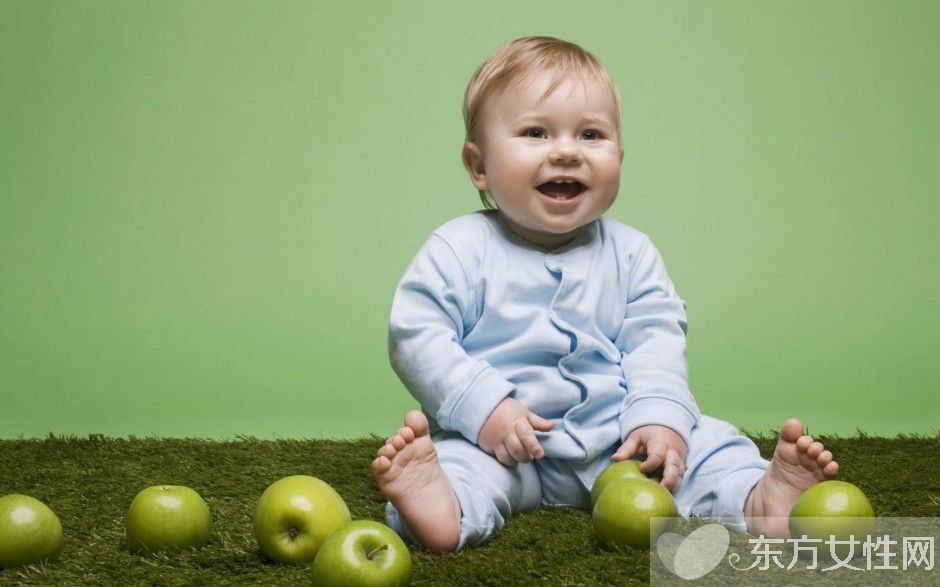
x: 590, y: 135
x: 535, y: 133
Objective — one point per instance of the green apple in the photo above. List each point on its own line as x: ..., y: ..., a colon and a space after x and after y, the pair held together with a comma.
x: 362, y: 553
x: 625, y: 512
x: 30, y: 532
x: 295, y: 515
x: 625, y: 469
x: 167, y: 517
x: 832, y: 508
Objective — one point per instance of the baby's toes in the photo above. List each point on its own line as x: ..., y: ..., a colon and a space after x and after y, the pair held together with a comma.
x: 791, y: 430
x: 397, y: 441
x: 381, y: 465
x: 804, y: 442
x: 388, y: 451
x: 407, y: 434
x: 814, y: 450
x: 827, y: 465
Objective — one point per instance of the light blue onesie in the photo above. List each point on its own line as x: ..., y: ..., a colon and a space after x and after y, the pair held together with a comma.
x: 590, y: 335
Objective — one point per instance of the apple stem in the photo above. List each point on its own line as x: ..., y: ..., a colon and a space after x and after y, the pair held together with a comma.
x: 374, y: 552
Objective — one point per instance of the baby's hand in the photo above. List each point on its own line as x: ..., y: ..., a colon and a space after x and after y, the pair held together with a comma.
x: 662, y: 446
x: 509, y: 433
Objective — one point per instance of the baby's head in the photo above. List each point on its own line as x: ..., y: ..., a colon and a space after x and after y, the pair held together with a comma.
x: 542, y: 109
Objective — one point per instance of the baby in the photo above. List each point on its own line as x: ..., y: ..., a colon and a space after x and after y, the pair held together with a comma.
x: 544, y: 340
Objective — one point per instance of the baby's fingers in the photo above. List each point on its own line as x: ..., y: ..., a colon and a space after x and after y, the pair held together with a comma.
x: 539, y: 423
x: 502, y: 455
x: 673, y: 471
x: 655, y: 456
x: 516, y: 449
x: 627, y: 449
x: 526, y: 438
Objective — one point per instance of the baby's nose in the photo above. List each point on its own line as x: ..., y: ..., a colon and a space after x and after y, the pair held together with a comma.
x: 565, y: 153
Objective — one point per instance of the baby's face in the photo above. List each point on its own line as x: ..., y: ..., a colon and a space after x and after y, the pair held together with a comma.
x: 552, y: 164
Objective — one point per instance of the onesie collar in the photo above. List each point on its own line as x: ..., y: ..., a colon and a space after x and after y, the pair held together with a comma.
x: 585, y: 236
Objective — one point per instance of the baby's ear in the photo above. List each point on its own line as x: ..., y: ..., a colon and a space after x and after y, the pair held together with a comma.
x: 473, y: 161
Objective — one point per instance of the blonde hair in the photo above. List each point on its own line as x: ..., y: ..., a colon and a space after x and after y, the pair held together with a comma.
x: 514, y: 61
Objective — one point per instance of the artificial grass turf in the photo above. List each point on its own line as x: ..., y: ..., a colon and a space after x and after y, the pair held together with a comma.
x: 90, y: 482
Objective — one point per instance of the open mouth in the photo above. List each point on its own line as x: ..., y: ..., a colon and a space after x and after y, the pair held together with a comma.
x: 562, y: 190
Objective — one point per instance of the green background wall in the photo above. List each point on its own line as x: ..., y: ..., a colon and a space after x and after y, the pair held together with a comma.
x: 205, y: 206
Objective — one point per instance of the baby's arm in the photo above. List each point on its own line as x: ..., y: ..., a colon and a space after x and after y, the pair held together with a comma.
x: 433, y: 306
x: 658, y: 411
x: 509, y: 433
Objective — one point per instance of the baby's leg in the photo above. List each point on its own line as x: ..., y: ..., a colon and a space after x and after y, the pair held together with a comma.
x: 480, y: 492
x: 727, y: 478
x: 721, y: 467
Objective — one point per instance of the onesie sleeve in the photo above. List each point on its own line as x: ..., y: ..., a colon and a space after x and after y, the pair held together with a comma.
x: 431, y: 311
x: 653, y: 350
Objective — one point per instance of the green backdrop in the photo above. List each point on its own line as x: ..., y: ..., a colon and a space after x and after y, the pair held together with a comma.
x: 205, y: 206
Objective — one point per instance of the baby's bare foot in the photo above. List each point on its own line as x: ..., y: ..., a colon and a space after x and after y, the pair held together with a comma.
x: 798, y: 464
x: 408, y: 473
